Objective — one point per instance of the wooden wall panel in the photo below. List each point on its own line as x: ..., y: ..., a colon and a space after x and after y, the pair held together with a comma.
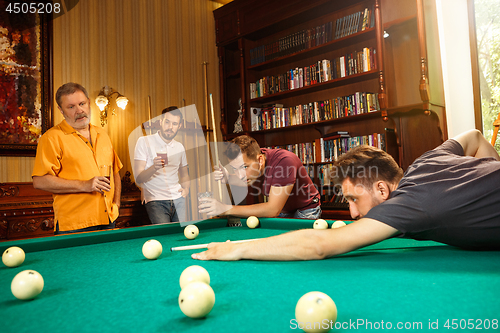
x: 140, y: 48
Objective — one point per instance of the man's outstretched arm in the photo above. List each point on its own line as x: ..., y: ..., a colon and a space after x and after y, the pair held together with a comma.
x: 474, y: 144
x: 306, y: 244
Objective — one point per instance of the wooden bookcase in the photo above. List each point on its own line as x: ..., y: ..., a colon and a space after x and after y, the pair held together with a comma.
x: 411, y: 108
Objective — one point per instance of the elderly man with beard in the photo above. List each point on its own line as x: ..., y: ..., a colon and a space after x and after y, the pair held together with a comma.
x: 161, y: 170
x: 68, y: 161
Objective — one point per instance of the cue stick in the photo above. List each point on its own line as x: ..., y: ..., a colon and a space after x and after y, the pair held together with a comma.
x: 197, y: 153
x: 149, y: 110
x: 207, y: 135
x: 215, y: 144
x: 184, y: 122
x: 204, y: 246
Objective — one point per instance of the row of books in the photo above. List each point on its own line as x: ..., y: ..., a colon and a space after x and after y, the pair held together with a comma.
x: 355, y: 22
x: 308, y: 38
x: 332, y: 198
x: 277, y: 116
x: 306, y: 151
x: 325, y: 173
x: 321, y: 71
x: 328, y: 149
x: 298, y: 41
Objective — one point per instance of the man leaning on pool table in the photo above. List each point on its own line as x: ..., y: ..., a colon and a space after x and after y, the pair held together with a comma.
x: 450, y: 194
x: 277, y: 173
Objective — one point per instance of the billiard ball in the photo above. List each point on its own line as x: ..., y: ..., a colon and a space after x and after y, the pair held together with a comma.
x: 27, y: 284
x: 338, y: 224
x: 13, y: 256
x: 191, y: 231
x: 192, y: 274
x: 196, y: 300
x: 152, y: 249
x: 252, y: 222
x: 320, y: 224
x: 314, y: 311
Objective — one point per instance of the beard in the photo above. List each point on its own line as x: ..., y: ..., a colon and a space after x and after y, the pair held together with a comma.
x: 81, y: 125
x: 80, y: 116
x: 168, y: 135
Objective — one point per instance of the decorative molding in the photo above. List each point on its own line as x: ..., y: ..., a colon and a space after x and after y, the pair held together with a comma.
x: 47, y: 205
x: 4, y: 225
x: 8, y: 190
x: 32, y: 225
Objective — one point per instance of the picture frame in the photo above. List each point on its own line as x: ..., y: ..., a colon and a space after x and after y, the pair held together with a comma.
x: 25, y: 81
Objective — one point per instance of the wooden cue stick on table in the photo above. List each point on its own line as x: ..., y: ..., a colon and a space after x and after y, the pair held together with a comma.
x: 216, y: 162
x: 204, y: 246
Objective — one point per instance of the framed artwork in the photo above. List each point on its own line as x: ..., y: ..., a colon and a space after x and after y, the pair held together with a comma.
x: 25, y: 79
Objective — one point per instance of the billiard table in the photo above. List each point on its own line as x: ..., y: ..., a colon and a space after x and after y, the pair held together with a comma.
x: 100, y: 282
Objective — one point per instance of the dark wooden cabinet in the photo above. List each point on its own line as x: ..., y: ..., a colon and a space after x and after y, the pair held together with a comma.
x: 26, y: 212
x: 410, y: 112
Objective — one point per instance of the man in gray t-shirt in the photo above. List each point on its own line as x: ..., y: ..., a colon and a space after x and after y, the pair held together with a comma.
x: 450, y: 194
x: 446, y: 197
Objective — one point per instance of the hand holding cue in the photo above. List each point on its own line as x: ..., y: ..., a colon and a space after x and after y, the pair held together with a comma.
x: 204, y: 246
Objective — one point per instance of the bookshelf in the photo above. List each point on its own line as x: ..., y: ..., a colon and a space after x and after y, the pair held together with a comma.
x: 306, y: 69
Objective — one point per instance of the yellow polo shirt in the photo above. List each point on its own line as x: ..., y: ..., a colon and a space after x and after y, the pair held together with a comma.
x: 65, y: 153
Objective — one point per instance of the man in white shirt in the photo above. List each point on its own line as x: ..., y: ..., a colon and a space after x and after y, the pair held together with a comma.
x: 164, y: 179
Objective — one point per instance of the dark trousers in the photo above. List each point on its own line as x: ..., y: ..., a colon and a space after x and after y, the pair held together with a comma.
x: 111, y: 225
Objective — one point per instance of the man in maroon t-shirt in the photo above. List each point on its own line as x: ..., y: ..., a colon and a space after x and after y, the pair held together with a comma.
x: 276, y: 173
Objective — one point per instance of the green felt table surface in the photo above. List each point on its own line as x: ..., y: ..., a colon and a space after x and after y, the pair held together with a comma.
x: 100, y: 282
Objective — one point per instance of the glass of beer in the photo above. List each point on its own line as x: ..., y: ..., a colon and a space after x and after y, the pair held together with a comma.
x: 162, y: 153
x: 105, y: 171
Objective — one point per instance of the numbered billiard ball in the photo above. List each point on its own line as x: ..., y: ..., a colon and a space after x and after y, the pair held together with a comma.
x: 191, y: 231
x: 13, y: 256
x: 196, y: 300
x: 192, y: 274
x: 152, y: 249
x: 27, y: 284
x: 338, y: 224
x: 252, y: 222
x: 313, y: 310
x: 320, y: 224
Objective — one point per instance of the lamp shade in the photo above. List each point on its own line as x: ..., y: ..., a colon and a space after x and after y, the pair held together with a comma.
x: 101, y: 101
x: 121, y: 102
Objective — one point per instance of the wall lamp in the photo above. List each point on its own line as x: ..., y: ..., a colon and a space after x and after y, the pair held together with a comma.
x: 102, y: 101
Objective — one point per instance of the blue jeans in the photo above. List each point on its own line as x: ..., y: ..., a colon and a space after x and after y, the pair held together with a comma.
x: 167, y: 211
x: 311, y: 213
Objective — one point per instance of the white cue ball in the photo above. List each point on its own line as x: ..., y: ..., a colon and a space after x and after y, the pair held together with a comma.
x: 320, y: 224
x: 312, y: 309
x: 152, y: 249
x: 13, y: 256
x: 196, y: 300
x: 191, y: 231
x: 252, y: 222
x: 27, y: 284
x: 192, y: 274
x: 338, y: 224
